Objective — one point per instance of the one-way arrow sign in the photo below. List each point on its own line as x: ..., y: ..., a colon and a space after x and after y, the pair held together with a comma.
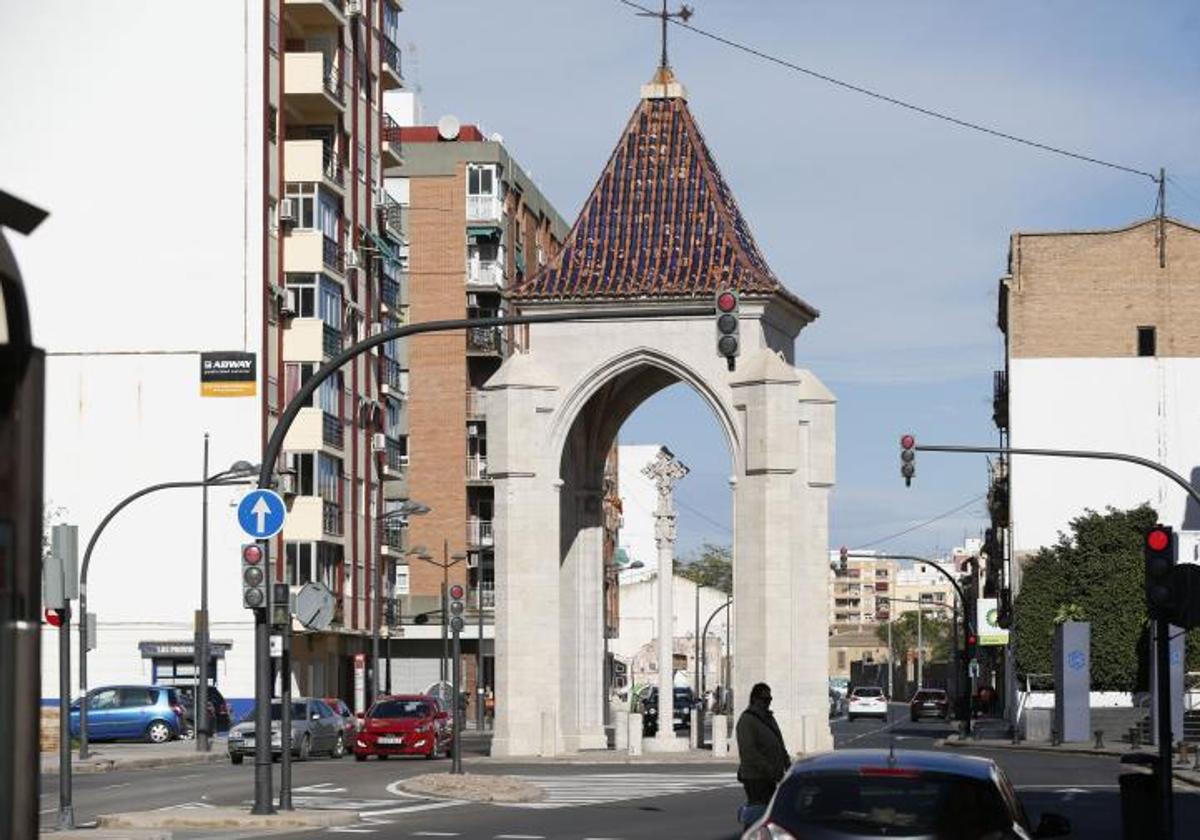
x: 261, y: 513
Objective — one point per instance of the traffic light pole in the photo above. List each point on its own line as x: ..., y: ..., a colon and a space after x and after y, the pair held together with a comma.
x: 262, y: 704
x: 456, y: 757
x: 66, y: 811
x: 285, y: 715
x: 1162, y: 667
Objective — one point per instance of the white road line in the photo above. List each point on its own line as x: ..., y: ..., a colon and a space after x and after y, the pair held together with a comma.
x: 412, y: 809
x: 872, y: 732
x: 520, y: 837
x: 435, y: 834
x: 599, y: 788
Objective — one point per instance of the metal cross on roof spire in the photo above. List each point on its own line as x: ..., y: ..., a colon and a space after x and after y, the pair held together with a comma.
x: 683, y: 14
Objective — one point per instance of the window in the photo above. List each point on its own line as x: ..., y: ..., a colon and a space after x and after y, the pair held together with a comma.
x: 362, y: 163
x: 298, y: 559
x: 331, y: 216
x: 329, y: 395
x: 272, y: 122
x: 104, y: 699
x: 302, y: 463
x: 330, y: 304
x: 329, y: 558
x: 305, y: 295
x: 1146, y: 341
x: 841, y: 660
x: 329, y: 478
x: 401, y: 580
x: 393, y: 418
x: 481, y: 179
x: 304, y: 197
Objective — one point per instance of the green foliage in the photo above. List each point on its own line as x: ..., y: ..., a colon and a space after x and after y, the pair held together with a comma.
x: 1095, y: 574
x: 710, y: 565
x: 936, y: 636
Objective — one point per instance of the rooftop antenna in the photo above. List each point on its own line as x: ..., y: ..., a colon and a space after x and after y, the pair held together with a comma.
x: 684, y: 14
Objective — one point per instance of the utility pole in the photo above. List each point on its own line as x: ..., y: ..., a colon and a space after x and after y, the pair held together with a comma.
x: 200, y: 698
x: 920, y: 651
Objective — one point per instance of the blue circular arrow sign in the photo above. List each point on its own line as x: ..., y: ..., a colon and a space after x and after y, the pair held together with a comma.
x: 261, y: 513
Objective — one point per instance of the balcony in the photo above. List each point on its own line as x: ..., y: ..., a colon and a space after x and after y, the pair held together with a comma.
x: 331, y: 341
x: 313, y: 161
x: 484, y: 595
x: 476, y: 407
x: 389, y: 294
x: 391, y: 217
x: 331, y: 518
x: 305, y: 435
x: 303, y: 341
x: 391, y: 380
x: 332, y: 255
x: 485, y: 276
x: 394, y: 459
x: 477, y: 468
x: 333, y: 433
x: 391, y: 537
x: 484, y: 208
x: 391, y: 77
x: 479, y: 533
x: 316, y: 14
x: 390, y: 142
x: 312, y: 87
x: 304, y: 521
x: 1000, y: 399
x: 485, y: 341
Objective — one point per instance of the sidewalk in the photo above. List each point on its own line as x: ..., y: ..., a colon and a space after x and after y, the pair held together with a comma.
x: 106, y: 757
x: 1182, y: 772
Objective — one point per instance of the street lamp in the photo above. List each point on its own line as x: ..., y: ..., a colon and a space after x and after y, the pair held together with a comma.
x: 448, y: 560
x: 405, y: 509
x: 226, y: 478
x: 621, y: 567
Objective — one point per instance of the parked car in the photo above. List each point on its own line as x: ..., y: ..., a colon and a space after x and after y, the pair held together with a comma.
x: 913, y: 794
x: 405, y: 724
x: 682, y: 710
x: 867, y: 701
x: 349, y: 721
x: 315, y: 729
x: 151, y: 712
x: 929, y: 702
x: 218, y: 710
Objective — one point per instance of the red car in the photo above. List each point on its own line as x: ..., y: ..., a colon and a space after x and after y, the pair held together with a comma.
x: 404, y: 724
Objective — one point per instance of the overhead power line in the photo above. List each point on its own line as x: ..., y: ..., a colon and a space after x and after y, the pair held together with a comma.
x: 919, y: 525
x: 891, y: 100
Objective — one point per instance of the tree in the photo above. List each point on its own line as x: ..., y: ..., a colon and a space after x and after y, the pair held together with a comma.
x: 1096, y: 575
x: 936, y: 635
x: 709, y: 565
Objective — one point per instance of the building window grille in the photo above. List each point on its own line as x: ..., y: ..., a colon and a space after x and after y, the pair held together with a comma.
x: 1146, y: 341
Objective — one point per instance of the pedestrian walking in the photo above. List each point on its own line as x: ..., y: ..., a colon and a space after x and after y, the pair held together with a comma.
x: 764, y: 756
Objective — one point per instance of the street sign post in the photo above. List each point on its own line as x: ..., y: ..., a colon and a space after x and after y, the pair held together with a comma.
x: 261, y: 513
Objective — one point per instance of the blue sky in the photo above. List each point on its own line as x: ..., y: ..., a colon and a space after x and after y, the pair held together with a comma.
x: 895, y: 226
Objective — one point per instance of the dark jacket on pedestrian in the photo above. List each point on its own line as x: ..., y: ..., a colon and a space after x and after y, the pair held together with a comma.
x: 760, y: 745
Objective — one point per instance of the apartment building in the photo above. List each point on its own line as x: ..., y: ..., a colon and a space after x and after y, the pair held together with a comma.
x: 1102, y: 350
x: 859, y: 593
x: 477, y: 223
x: 268, y: 132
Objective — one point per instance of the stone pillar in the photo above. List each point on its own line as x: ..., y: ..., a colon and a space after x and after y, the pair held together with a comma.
x: 582, y: 622
x: 666, y: 472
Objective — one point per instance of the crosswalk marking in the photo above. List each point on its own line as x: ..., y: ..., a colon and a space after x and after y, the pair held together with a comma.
x: 600, y: 788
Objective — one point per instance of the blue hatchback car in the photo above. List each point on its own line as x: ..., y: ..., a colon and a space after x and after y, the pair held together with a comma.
x: 150, y: 712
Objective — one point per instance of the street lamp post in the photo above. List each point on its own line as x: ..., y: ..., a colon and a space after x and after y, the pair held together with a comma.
x: 229, y: 477
x: 448, y: 560
x: 704, y: 648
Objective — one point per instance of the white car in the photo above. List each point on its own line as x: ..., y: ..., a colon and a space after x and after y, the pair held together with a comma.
x: 867, y: 701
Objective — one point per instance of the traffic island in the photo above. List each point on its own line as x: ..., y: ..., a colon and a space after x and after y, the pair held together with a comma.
x: 226, y: 818
x: 472, y: 787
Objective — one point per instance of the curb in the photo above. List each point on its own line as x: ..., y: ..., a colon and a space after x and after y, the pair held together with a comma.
x: 1187, y: 777
x: 107, y: 765
x: 108, y: 834
x: 227, y: 818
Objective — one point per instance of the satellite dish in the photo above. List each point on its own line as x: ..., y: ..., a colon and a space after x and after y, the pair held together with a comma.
x: 497, y: 137
x: 448, y: 127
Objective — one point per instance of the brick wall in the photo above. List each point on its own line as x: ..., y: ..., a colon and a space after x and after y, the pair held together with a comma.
x: 1085, y: 294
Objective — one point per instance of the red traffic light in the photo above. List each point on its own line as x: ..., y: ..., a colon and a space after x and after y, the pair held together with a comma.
x: 1158, y: 539
x: 457, y: 591
x: 971, y: 640
x: 252, y: 553
x: 727, y: 301
x: 907, y: 442
x: 54, y: 618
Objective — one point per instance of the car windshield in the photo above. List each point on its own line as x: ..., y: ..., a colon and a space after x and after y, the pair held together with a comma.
x: 868, y: 692
x: 299, y: 712
x: 400, y: 709
x: 931, y: 695
x: 891, y: 802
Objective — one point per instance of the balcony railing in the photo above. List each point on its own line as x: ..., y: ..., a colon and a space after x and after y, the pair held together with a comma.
x: 489, y: 273
x: 391, y: 130
x: 479, y: 532
x: 333, y: 83
x: 392, y: 533
x: 331, y: 518
x: 475, y: 403
x: 1000, y: 399
x: 390, y: 54
x: 331, y: 341
x: 483, y: 208
x: 389, y: 292
x: 391, y: 216
x: 485, y: 340
x: 485, y: 594
x: 477, y: 468
x: 333, y: 433
x: 390, y: 375
x: 332, y: 166
x: 332, y: 255
x: 396, y: 459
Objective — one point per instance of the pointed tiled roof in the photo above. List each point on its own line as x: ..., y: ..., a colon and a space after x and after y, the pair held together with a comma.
x: 661, y: 223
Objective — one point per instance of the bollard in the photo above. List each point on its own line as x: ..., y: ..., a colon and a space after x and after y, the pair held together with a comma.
x: 1099, y: 745
x: 1054, y: 739
x: 1182, y: 753
x: 697, y: 734
x: 634, y: 734
x: 1135, y: 737
x: 720, y: 735
x: 621, y: 730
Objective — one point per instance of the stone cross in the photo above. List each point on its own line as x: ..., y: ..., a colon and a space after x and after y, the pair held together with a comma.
x: 665, y: 472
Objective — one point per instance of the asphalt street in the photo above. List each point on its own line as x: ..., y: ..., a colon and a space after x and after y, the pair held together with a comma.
x: 583, y: 802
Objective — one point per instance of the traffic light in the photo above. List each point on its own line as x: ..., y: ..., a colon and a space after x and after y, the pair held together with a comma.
x: 457, y: 592
x: 1004, y: 609
x: 55, y: 617
x: 908, y: 467
x: 281, y: 605
x: 844, y: 555
x: 1160, y: 548
x: 254, y: 576
x: 969, y: 650
x: 728, y: 343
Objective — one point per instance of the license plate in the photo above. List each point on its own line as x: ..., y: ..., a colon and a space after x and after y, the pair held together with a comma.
x: 390, y: 739
x: 247, y: 742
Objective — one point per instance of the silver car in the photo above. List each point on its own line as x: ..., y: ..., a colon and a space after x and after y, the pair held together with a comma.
x: 315, y: 729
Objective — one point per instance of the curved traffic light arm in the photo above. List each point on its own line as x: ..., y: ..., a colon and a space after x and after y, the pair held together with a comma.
x: 962, y: 598
x: 1071, y: 453
x: 304, y: 395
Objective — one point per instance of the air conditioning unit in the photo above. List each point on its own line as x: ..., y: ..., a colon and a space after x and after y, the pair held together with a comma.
x: 376, y: 327
x: 473, y: 560
x: 472, y: 430
x: 287, y: 212
x: 354, y: 7
x: 352, y: 259
x: 378, y: 442
x: 287, y: 484
x: 290, y: 307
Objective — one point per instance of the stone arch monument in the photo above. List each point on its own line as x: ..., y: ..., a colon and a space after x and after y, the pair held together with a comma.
x: 661, y: 225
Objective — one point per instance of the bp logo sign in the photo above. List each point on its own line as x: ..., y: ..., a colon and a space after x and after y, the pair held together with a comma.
x: 992, y: 615
x: 990, y: 633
